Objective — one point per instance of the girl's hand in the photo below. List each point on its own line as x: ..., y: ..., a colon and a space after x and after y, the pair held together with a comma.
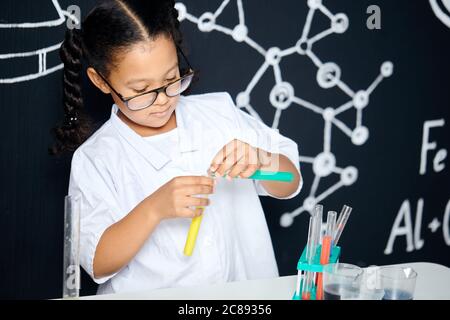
x: 175, y: 198
x: 238, y: 158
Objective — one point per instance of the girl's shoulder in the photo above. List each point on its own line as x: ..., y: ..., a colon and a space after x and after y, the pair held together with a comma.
x: 101, y: 144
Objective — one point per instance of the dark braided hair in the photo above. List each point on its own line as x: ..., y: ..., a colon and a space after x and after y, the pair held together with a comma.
x: 111, y: 28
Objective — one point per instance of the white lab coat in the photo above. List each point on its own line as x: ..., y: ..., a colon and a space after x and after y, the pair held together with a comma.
x: 116, y: 168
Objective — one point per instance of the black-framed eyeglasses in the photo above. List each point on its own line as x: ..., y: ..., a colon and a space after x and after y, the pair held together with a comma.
x: 146, y: 99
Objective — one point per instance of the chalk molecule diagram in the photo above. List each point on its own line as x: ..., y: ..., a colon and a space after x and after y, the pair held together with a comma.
x: 39, y: 54
x: 282, y: 95
x: 441, y: 9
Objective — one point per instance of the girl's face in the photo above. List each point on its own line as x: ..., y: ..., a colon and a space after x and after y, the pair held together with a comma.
x: 145, y: 66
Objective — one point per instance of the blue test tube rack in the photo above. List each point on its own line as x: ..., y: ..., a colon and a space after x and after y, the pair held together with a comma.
x: 316, y: 267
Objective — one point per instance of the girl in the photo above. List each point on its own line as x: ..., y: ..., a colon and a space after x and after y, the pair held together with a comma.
x: 139, y: 178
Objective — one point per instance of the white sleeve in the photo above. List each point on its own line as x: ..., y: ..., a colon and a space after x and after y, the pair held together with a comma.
x: 259, y: 135
x: 91, y: 186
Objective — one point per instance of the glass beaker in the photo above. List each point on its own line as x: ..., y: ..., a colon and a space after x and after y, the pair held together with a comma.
x: 341, y: 281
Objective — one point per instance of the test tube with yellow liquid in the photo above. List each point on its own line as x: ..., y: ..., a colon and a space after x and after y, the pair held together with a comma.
x: 193, y: 232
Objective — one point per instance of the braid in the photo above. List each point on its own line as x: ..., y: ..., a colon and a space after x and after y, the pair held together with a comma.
x: 76, y: 126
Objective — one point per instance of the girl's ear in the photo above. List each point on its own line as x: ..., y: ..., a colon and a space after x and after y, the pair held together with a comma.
x: 97, y: 80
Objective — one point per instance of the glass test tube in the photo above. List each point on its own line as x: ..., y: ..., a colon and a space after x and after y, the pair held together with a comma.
x: 342, y: 221
x: 326, y: 250
x: 331, y: 224
x: 309, y: 254
x: 316, y: 225
x: 71, y: 263
x: 319, y: 218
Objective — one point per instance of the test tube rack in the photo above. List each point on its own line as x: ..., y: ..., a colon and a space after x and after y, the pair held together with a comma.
x: 315, y: 267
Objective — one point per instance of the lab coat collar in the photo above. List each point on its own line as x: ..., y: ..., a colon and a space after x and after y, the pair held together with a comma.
x: 189, y: 135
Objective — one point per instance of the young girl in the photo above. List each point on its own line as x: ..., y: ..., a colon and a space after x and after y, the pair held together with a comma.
x: 140, y: 177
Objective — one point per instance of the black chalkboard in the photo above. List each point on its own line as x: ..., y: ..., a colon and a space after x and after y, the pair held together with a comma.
x: 406, y: 120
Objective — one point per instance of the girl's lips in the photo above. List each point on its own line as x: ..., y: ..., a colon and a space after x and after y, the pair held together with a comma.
x: 160, y: 114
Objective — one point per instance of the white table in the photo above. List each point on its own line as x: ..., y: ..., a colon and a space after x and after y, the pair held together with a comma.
x: 433, y: 283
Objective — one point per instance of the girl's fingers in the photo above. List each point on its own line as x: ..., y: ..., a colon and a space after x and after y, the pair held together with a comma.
x: 190, y: 190
x: 264, y: 157
x: 220, y: 157
x: 238, y: 157
x: 196, y: 202
x: 182, y: 181
x: 251, y: 168
x: 228, y: 163
x: 237, y: 169
x: 198, y: 212
x: 253, y: 156
x: 189, y: 213
x: 246, y: 166
x: 239, y: 166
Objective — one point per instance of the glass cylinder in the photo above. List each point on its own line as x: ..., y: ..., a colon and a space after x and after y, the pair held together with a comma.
x: 71, y: 265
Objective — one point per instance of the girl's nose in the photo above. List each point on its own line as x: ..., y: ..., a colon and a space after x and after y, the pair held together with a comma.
x: 161, y: 99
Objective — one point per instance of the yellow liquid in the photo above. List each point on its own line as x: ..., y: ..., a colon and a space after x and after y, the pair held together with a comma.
x: 192, y: 234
